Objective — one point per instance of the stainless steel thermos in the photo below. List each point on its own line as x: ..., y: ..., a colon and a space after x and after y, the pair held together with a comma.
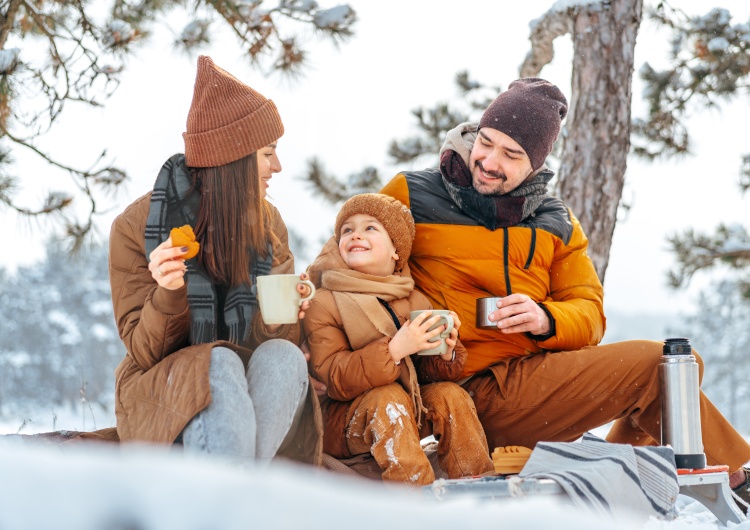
x: 680, y: 404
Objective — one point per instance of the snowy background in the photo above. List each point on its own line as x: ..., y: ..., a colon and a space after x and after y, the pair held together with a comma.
x: 348, y: 105
x: 345, y: 109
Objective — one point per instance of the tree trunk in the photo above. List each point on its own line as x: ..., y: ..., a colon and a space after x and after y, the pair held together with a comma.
x: 596, y: 136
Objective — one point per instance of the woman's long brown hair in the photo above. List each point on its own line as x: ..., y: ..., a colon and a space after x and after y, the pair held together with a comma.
x: 233, y: 220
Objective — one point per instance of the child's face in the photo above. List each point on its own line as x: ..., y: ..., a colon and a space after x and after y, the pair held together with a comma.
x: 366, y: 247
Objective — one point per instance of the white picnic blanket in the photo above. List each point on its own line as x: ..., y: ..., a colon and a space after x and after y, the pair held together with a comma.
x: 612, y: 479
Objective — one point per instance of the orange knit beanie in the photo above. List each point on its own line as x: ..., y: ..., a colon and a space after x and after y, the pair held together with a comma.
x: 228, y: 120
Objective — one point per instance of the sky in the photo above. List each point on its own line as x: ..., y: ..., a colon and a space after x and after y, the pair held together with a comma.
x: 94, y: 487
x: 355, y: 98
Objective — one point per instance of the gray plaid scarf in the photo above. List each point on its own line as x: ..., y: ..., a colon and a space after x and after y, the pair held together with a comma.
x: 174, y: 204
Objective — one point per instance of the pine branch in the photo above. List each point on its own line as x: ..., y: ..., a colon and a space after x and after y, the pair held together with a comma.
x: 85, y: 59
x: 333, y: 190
x: 694, y: 252
x: 710, y: 63
x: 323, y: 183
x: 745, y: 174
x: 8, y: 20
x: 107, y: 179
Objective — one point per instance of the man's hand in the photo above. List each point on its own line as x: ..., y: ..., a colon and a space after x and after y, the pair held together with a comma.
x: 517, y: 313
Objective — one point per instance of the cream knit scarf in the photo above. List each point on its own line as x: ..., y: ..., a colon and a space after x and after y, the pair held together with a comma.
x: 356, y: 295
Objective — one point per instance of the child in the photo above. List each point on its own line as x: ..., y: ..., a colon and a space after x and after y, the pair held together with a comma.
x: 362, y: 344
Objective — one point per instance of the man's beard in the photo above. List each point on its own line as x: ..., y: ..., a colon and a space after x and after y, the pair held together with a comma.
x: 502, y: 179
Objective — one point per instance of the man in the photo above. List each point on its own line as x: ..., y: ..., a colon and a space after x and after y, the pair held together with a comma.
x: 485, y: 226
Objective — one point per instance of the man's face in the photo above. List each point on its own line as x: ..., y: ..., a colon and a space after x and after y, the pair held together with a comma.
x: 498, y: 164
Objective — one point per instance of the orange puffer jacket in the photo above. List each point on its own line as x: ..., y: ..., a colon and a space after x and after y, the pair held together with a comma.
x: 455, y: 260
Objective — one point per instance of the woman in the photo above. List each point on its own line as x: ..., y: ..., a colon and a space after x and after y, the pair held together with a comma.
x: 201, y: 366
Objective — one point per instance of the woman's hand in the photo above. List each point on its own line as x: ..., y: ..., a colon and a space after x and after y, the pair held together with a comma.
x: 414, y: 336
x: 166, y: 265
x: 304, y: 291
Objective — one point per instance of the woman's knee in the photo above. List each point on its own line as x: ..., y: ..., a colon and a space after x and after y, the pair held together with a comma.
x: 226, y: 375
x: 224, y: 358
x: 279, y: 353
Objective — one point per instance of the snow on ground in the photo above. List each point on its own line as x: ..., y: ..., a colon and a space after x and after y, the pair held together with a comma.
x: 92, y: 486
x: 95, y: 487
x: 31, y: 419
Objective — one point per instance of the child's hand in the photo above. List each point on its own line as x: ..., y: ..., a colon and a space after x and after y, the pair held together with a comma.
x: 451, y: 341
x: 414, y: 336
x: 456, y: 321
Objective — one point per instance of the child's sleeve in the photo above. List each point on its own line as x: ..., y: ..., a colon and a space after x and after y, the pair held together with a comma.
x: 431, y: 368
x: 346, y: 372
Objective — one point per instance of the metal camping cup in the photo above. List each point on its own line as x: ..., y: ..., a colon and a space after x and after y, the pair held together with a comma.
x: 680, y: 404
x: 485, y: 306
x: 446, y: 319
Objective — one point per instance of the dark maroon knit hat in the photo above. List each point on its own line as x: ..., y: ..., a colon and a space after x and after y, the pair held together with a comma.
x: 530, y: 112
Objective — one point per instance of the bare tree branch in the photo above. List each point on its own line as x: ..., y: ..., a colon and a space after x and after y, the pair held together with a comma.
x: 553, y: 24
x: 83, y: 59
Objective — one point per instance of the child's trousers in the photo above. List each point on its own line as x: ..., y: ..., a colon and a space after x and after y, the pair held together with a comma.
x: 385, y: 426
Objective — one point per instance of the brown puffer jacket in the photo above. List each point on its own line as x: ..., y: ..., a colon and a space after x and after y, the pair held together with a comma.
x: 162, y: 382
x: 349, y: 373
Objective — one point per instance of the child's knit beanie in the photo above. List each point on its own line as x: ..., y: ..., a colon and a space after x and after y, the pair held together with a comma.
x: 392, y: 214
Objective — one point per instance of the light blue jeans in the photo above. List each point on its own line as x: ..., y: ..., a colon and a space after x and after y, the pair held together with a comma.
x: 251, y: 415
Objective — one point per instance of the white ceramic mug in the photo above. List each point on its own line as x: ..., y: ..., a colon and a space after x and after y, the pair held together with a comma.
x: 446, y: 320
x: 279, y: 299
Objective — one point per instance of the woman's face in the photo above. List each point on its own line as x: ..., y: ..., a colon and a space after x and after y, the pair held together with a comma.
x: 268, y: 164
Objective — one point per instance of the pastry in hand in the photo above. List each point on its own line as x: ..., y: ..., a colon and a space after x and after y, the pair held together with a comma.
x: 185, y: 237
